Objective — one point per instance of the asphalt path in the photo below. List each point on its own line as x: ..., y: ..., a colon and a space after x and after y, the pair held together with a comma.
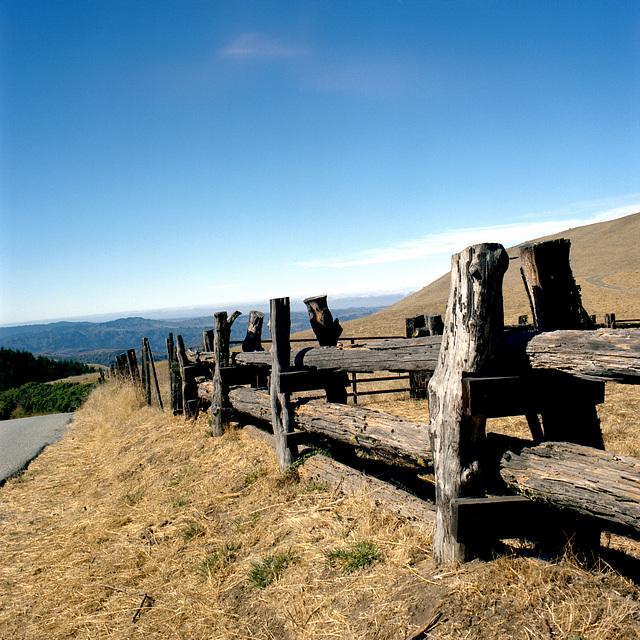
x: 23, y: 439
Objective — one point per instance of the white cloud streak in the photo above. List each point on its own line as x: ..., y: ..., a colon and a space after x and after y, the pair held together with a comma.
x: 454, y: 240
x: 259, y: 45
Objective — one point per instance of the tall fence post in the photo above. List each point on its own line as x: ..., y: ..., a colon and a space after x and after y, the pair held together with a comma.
x: 473, y: 335
x: 424, y: 325
x: 327, y: 331
x: 280, y: 327
x: 175, y: 382
x: 189, y: 388
x: 570, y: 414
x: 253, y: 339
x: 152, y: 371
x: 219, y: 398
x: 133, y: 366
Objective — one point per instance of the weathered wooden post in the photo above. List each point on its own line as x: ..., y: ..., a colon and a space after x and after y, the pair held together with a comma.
x: 326, y: 329
x: 253, y: 339
x: 569, y: 412
x: 219, y: 399
x: 424, y: 325
x: 152, y: 371
x: 189, y: 387
x: 554, y: 296
x: 133, y: 366
x: 610, y: 320
x: 146, y: 377
x: 175, y: 382
x: 433, y: 324
x: 280, y: 327
x: 556, y: 304
x: 207, y: 340
x: 473, y: 335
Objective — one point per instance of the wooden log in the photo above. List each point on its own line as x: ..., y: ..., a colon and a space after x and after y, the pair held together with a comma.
x: 133, y: 366
x: 326, y: 329
x: 281, y: 419
x: 419, y: 513
x: 175, y: 382
x: 610, y: 320
x: 253, y: 339
x: 189, y: 387
x: 152, y: 371
x: 397, y: 355
x: 474, y: 325
x: 358, y: 426
x: 219, y: 403
x: 603, y: 353
x: 590, y: 481
x: 553, y: 294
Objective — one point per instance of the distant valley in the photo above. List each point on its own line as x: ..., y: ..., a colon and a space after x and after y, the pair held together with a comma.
x: 100, y: 342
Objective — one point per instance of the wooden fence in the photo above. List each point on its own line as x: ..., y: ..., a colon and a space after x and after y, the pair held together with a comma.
x: 553, y: 375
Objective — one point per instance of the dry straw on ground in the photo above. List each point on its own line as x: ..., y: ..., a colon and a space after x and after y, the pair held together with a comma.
x: 140, y: 525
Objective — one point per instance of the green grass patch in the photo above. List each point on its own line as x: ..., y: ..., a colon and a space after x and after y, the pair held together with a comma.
x: 219, y: 558
x: 357, y: 556
x: 269, y: 569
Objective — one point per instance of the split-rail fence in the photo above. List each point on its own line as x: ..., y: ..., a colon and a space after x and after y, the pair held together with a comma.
x: 562, y: 486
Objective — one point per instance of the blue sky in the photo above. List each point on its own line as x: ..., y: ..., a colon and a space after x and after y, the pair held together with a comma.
x: 180, y: 153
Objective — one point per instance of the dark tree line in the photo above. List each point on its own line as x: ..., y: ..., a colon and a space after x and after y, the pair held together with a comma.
x: 19, y: 367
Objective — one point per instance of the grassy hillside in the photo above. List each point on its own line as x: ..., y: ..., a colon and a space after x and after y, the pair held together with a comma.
x: 603, y: 256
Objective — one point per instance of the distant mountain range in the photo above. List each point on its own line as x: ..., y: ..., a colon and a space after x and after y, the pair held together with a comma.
x: 101, y: 342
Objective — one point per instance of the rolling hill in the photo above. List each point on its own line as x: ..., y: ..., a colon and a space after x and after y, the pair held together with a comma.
x: 605, y: 259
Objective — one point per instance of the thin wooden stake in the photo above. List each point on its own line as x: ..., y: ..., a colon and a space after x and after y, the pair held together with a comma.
x: 146, y: 378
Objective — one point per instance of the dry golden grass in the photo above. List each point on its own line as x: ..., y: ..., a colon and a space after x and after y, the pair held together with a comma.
x: 136, y: 502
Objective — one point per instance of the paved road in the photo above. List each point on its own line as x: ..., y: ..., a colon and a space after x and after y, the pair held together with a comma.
x: 599, y: 282
x: 23, y: 439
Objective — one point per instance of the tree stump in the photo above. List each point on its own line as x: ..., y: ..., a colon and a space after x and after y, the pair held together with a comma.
x: 473, y: 335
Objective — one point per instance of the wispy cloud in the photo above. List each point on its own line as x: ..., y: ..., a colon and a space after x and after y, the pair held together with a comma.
x: 260, y: 45
x: 454, y: 240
